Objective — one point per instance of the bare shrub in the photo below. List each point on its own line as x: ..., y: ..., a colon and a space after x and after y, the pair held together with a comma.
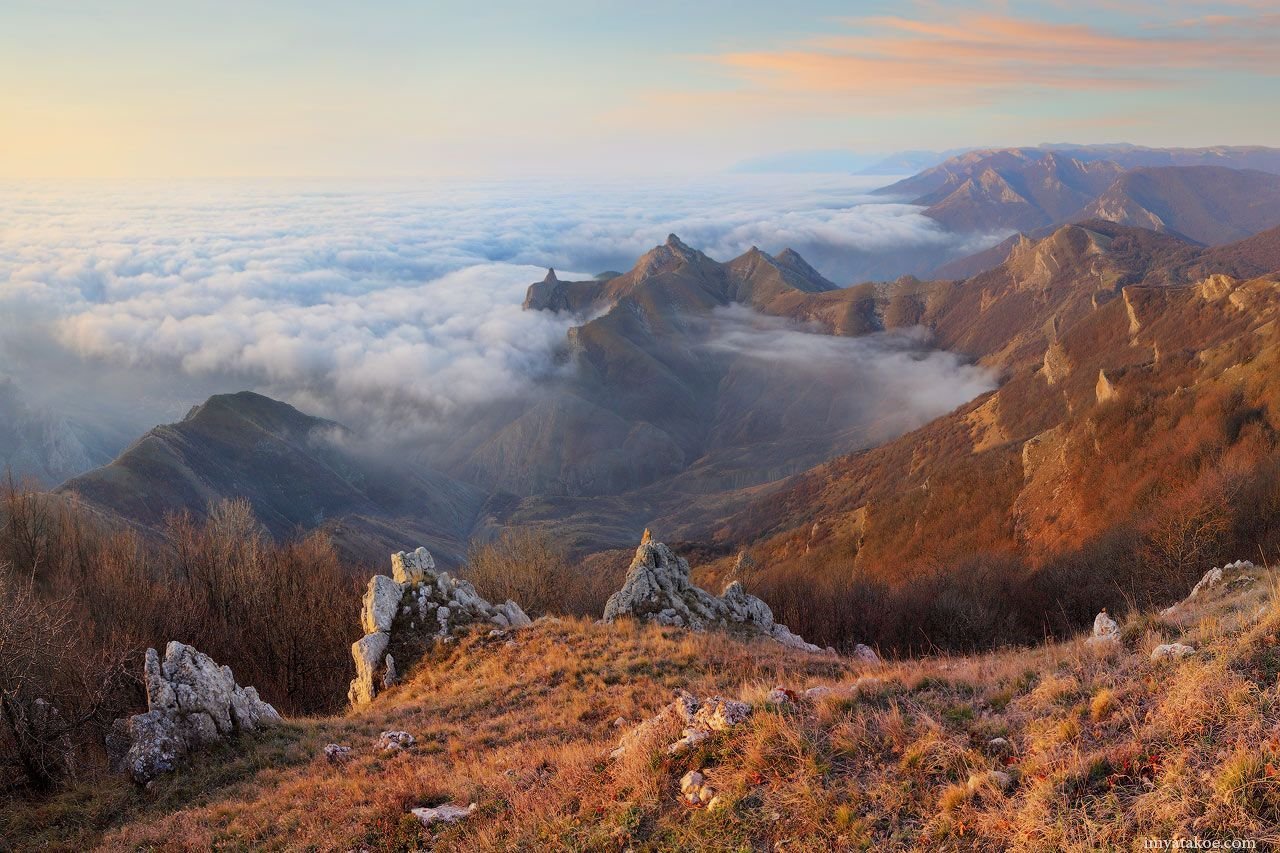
x: 79, y: 605
x: 528, y: 567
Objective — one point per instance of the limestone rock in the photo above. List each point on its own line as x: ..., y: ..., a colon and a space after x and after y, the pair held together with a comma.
x: 1105, y: 630
x: 418, y: 605
x: 866, y: 654
x: 1171, y: 651
x: 997, y: 779
x: 336, y: 753
x: 696, y: 720
x: 395, y: 741
x: 1211, y: 579
x: 368, y: 653
x: 381, y: 601
x: 442, y: 814
x: 999, y: 745
x: 191, y: 701
x: 657, y: 588
x: 411, y: 567
x: 695, y: 790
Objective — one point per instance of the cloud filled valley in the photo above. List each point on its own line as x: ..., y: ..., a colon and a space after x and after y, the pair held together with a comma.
x: 394, y: 309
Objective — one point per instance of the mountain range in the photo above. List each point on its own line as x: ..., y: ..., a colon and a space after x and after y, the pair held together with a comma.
x: 1209, y: 197
x: 676, y: 405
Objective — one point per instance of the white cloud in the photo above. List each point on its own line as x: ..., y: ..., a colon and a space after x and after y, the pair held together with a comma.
x: 361, y: 301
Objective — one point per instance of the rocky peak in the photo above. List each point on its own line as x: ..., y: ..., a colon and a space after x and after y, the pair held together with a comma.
x: 550, y: 277
x: 667, y: 257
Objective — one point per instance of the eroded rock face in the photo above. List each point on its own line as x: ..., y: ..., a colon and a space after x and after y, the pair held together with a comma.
x: 415, y: 607
x: 191, y: 702
x: 658, y: 589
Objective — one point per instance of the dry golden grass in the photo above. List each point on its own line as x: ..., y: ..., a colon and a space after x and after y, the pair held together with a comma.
x: 1103, y: 750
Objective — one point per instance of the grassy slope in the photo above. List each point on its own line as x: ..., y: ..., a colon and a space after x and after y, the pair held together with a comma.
x: 1106, y: 748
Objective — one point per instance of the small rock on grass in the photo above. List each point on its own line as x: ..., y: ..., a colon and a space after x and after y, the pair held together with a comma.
x: 448, y: 813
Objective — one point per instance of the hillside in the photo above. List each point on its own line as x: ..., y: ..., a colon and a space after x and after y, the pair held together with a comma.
x: 1072, y: 745
x: 1134, y: 409
x: 296, y: 471
x: 45, y: 447
x: 1208, y: 204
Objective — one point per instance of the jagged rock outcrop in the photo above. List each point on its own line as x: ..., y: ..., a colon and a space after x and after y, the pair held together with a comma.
x: 1105, y: 389
x: 403, y: 614
x: 1211, y: 579
x: 191, y: 702
x: 657, y: 588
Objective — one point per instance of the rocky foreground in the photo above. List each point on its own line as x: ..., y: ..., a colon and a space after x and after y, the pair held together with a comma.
x: 580, y: 735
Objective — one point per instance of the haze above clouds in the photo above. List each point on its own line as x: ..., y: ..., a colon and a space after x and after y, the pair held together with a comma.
x: 395, y: 304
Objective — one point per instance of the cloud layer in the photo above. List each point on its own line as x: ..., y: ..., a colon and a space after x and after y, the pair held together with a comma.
x: 377, y: 303
x: 971, y: 54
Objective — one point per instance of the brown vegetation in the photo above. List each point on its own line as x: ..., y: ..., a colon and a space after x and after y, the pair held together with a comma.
x: 79, y: 605
x: 1101, y: 748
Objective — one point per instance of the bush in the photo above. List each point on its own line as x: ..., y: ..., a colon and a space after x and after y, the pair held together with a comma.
x: 79, y: 605
x: 528, y: 567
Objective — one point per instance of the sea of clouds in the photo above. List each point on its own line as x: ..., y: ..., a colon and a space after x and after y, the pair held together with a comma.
x: 373, y: 303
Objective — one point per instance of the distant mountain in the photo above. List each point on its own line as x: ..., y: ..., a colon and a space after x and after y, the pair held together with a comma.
x: 1010, y: 190
x: 1208, y: 204
x: 298, y: 472
x: 909, y: 162
x: 1211, y: 195
x: 39, y: 444
x: 954, y: 172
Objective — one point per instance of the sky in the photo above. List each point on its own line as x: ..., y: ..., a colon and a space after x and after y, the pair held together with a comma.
x: 143, y: 89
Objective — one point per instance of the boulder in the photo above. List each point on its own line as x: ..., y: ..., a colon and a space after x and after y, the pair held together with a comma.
x: 417, y: 606
x: 865, y: 654
x: 191, y: 702
x: 395, y: 741
x: 1105, y: 630
x: 442, y: 814
x: 368, y: 653
x: 695, y: 790
x: 657, y: 588
x: 381, y: 601
x: 412, y: 566
x: 1171, y: 651
x: 337, y: 754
